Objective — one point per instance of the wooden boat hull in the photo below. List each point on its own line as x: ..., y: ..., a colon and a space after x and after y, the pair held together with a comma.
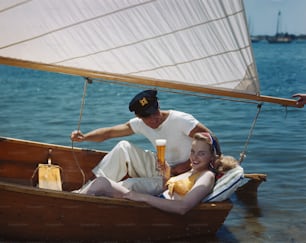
x: 31, y: 213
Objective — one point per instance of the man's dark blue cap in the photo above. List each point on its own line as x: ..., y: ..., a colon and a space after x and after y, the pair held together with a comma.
x: 145, y: 103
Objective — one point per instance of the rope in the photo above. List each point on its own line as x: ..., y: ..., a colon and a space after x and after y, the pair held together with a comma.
x: 87, y: 80
x: 243, y: 153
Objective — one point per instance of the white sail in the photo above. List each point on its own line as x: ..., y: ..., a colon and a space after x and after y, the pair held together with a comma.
x: 194, y: 45
x: 198, y: 42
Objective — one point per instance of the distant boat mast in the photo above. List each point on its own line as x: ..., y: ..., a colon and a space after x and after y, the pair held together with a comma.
x: 278, y: 24
x: 279, y: 36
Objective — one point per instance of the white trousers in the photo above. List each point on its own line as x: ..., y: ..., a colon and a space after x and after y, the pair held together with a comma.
x: 126, y: 158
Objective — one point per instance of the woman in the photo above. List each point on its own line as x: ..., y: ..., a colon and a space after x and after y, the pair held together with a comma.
x: 184, y: 191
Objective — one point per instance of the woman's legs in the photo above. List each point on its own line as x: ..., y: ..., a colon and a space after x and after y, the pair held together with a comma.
x: 102, y: 186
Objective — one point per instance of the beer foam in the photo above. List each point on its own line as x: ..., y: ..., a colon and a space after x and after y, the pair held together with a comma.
x: 160, y: 142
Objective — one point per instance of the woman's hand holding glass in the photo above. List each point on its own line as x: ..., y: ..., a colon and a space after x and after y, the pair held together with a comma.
x: 164, y: 169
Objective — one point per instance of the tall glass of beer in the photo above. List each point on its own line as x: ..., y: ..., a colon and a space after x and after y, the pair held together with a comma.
x: 161, y: 150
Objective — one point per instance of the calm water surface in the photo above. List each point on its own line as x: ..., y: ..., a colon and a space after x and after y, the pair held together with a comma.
x: 45, y: 107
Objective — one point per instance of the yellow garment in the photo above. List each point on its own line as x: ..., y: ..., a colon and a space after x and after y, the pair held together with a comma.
x: 181, y: 186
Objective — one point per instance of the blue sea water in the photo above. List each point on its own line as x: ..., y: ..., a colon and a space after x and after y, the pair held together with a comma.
x: 45, y: 107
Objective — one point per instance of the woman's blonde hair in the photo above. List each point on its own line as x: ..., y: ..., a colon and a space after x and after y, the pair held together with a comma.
x: 225, y: 163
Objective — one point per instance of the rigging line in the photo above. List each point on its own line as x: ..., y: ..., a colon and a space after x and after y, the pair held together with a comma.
x: 286, y: 112
x: 243, y: 153
x: 87, y: 80
x: 77, y: 163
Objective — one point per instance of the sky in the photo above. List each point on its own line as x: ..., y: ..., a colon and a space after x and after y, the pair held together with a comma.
x: 262, y: 16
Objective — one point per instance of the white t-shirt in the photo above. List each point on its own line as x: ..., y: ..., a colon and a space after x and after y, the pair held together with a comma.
x: 175, y: 129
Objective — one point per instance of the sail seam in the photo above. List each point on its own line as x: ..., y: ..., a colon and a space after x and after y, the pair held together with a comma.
x: 190, y: 61
x: 147, y: 39
x: 14, y: 6
x: 72, y: 25
x: 122, y: 46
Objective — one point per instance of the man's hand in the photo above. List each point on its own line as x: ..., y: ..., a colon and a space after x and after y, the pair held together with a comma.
x: 77, y: 136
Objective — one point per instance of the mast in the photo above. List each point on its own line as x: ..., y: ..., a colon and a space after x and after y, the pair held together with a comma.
x: 278, y: 23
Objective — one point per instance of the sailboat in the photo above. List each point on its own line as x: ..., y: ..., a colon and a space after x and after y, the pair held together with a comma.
x: 200, y: 47
x: 279, y: 37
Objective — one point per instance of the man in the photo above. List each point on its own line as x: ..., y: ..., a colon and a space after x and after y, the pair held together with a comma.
x: 135, y: 168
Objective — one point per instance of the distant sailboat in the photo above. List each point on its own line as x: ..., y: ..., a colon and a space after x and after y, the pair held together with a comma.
x: 280, y: 37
